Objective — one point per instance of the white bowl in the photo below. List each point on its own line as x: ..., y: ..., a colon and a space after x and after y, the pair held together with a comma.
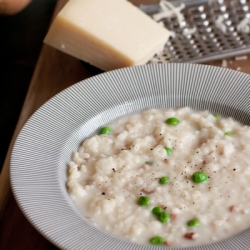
x: 45, y: 144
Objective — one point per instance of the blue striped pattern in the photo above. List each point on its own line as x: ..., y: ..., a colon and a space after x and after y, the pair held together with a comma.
x: 45, y: 144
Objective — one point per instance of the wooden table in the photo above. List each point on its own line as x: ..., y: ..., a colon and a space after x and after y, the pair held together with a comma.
x: 54, y: 72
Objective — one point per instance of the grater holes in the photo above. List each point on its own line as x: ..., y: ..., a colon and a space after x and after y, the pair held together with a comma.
x: 197, y: 46
x: 176, y: 25
x: 216, y: 11
x: 241, y: 17
x: 246, y: 8
x: 173, y: 19
x: 243, y: 1
x: 228, y: 22
x: 227, y: 16
x: 201, y: 31
x: 216, y: 37
x: 211, y: 35
x: 192, y: 55
x: 183, y: 43
x: 232, y: 23
x: 215, y: 40
x: 199, y: 25
x: 221, y: 2
x: 206, y: 16
x: 212, y: 51
x: 232, y: 29
x: 193, y: 11
x: 230, y: 39
x: 235, y: 34
x: 201, y: 51
x: 192, y: 41
x: 234, y: 44
x: 209, y: 29
x: 195, y: 18
x: 165, y: 55
x: 224, y: 8
x: 208, y: 23
x: 178, y: 54
x: 212, y: 3
x: 173, y: 48
x: 244, y: 39
x: 235, y: 3
x: 239, y: 11
x: 171, y: 39
x: 208, y: 39
x: 219, y: 40
x: 201, y: 8
x: 209, y: 47
x: 189, y: 53
x: 218, y: 45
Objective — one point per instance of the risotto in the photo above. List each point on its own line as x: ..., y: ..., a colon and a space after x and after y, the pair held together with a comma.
x: 177, y: 177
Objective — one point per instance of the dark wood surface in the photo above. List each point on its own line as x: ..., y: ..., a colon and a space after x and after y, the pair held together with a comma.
x: 54, y: 72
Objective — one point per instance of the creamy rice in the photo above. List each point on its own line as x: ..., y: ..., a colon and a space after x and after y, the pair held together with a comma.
x: 110, y: 172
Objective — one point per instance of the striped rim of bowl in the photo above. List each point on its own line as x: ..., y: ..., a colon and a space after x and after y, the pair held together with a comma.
x: 44, y: 146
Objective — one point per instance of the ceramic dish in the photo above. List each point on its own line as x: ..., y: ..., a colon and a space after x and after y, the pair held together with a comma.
x: 45, y: 144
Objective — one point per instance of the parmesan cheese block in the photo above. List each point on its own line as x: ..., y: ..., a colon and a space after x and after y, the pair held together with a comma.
x: 108, y: 34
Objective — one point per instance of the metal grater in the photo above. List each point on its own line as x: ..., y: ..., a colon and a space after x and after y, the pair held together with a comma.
x: 208, y: 42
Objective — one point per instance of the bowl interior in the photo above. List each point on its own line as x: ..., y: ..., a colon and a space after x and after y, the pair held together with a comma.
x: 90, y: 128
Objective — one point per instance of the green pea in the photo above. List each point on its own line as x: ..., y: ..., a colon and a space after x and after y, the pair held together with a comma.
x: 172, y: 121
x: 169, y: 151
x: 216, y: 116
x: 143, y: 200
x: 228, y: 133
x: 163, y: 217
x: 199, y: 177
x: 164, y: 180
x: 157, y: 240
x: 156, y: 210
x: 193, y: 223
x: 105, y: 130
x: 150, y: 163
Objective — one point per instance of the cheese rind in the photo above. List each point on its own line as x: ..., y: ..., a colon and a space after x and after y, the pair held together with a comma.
x: 108, y: 34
